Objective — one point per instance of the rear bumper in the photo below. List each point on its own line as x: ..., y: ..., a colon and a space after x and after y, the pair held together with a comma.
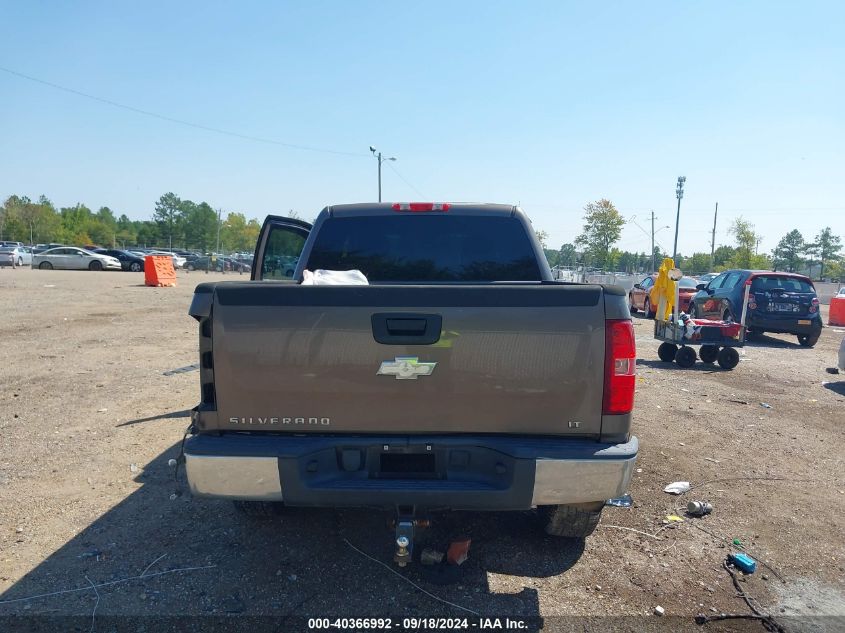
x: 468, y: 472
x: 785, y: 324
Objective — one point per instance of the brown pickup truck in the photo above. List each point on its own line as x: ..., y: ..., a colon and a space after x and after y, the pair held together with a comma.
x: 461, y: 377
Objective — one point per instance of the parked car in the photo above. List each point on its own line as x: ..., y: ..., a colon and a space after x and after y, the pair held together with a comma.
x: 203, y: 262
x: 784, y: 303
x: 127, y: 260
x: 643, y: 297
x: 72, y: 258
x: 15, y: 256
x: 464, y: 377
x: 178, y: 260
x: 7, y: 243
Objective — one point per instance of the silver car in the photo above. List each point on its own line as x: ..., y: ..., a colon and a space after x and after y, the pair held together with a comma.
x: 15, y: 256
x: 70, y: 258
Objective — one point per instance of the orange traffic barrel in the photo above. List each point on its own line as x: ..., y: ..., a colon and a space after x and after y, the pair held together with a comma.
x: 158, y: 270
x: 837, y: 311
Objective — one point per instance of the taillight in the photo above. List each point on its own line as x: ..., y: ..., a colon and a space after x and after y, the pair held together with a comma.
x: 752, y: 302
x: 620, y: 361
x: 421, y: 207
x: 814, y: 305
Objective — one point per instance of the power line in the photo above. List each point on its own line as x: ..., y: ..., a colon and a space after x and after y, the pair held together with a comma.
x: 405, y: 180
x: 162, y: 117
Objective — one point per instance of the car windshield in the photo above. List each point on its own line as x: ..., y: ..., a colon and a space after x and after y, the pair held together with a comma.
x: 764, y: 283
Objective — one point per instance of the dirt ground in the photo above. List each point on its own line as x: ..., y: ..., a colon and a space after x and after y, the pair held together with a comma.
x: 89, y: 420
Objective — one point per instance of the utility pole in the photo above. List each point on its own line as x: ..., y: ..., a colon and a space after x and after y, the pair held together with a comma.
x: 679, y: 194
x: 652, y: 242
x: 378, y: 155
x: 713, y: 239
x: 217, y: 250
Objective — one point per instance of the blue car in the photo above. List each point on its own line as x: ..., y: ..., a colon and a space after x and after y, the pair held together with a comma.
x: 779, y: 302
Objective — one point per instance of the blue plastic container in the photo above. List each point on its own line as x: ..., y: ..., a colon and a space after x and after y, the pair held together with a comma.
x: 743, y: 562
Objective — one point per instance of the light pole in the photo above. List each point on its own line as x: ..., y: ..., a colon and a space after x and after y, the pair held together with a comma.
x: 378, y: 155
x: 217, y: 250
x: 679, y: 194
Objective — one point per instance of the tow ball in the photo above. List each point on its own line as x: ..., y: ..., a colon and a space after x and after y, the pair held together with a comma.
x: 405, y: 529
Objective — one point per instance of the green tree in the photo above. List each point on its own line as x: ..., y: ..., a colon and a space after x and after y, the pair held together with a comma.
x: 168, y: 211
x: 697, y: 263
x: 568, y: 255
x: 787, y: 253
x: 602, y: 229
x: 746, y: 243
x: 825, y: 248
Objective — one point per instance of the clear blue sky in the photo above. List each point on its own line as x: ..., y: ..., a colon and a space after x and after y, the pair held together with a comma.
x: 549, y: 104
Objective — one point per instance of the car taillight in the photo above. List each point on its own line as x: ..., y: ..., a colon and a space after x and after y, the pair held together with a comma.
x: 814, y: 305
x: 620, y: 360
x: 421, y: 207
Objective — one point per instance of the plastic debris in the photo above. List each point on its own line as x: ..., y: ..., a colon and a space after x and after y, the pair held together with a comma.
x: 431, y: 556
x: 458, y: 551
x: 171, y: 462
x: 678, y: 487
x: 133, y: 468
x: 737, y: 542
x: 765, y: 405
x: 674, y: 518
x: 658, y: 610
x: 699, y: 508
x: 625, y: 501
x: 743, y: 562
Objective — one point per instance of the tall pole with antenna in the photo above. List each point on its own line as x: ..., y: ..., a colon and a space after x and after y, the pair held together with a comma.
x: 652, y: 241
x: 713, y: 239
x: 378, y: 155
x: 679, y: 193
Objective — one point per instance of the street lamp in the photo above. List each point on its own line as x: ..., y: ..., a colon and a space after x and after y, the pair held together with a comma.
x: 377, y: 154
x: 679, y: 194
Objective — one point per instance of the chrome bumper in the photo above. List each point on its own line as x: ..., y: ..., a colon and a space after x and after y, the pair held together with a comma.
x: 562, y: 481
x: 224, y: 477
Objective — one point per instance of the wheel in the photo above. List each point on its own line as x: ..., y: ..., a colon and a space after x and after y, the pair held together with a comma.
x: 45, y: 266
x: 666, y: 352
x: 20, y: 262
x: 685, y: 357
x: 708, y: 353
x: 649, y: 313
x: 190, y: 266
x: 753, y: 334
x: 135, y: 267
x: 808, y: 340
x: 693, y: 311
x: 260, y: 509
x: 95, y: 265
x: 726, y: 316
x: 728, y: 358
x: 570, y: 521
x: 631, y: 307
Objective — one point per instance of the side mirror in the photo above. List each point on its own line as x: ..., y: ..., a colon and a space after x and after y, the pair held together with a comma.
x: 701, y: 286
x: 638, y: 286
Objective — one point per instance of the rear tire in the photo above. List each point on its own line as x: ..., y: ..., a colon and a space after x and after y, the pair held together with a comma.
x: 685, y: 357
x: 135, y: 267
x: 649, y: 313
x: 726, y: 315
x: 259, y: 509
x: 570, y: 521
x: 666, y: 352
x: 808, y: 340
x: 631, y: 307
x: 190, y: 267
x: 20, y: 262
x: 708, y: 353
x: 728, y: 358
x: 95, y: 266
x: 45, y: 266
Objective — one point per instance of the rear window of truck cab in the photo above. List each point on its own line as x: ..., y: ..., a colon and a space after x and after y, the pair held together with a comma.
x: 762, y: 283
x: 426, y: 248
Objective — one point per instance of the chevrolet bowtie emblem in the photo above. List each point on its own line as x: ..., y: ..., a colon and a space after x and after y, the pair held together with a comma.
x: 406, y: 368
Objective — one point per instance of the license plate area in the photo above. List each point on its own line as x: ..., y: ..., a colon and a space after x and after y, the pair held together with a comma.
x: 784, y: 307
x: 402, y: 465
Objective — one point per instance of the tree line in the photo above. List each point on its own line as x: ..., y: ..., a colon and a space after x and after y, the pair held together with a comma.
x: 603, y: 223
x: 176, y: 223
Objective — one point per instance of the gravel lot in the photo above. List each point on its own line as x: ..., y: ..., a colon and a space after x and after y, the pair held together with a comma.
x: 89, y: 420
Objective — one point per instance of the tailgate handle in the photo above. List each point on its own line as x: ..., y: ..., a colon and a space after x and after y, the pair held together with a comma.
x: 392, y: 328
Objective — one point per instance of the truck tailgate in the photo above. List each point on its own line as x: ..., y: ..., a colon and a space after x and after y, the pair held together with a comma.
x: 522, y: 359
